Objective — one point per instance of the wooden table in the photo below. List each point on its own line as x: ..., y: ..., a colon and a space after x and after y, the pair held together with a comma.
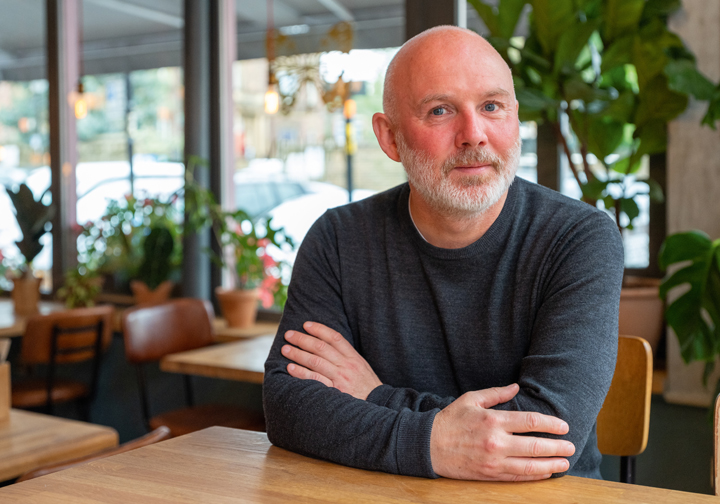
x: 12, y: 325
x: 225, y: 333
x: 222, y: 465
x: 30, y: 440
x: 240, y: 360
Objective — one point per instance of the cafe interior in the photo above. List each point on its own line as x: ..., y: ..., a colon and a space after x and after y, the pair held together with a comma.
x: 163, y: 160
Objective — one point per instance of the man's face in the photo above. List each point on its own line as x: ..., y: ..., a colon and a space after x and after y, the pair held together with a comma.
x: 457, y: 131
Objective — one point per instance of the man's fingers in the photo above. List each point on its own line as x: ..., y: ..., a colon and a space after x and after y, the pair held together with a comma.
x: 306, y: 374
x: 528, y: 446
x: 520, y: 467
x: 313, y: 345
x: 308, y: 360
x: 487, y: 398
x: 527, y: 421
x: 330, y: 336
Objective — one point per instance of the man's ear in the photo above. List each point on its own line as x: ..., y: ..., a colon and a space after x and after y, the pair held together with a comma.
x: 385, y: 135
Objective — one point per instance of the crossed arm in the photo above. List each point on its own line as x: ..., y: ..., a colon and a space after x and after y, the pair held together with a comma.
x: 468, y: 440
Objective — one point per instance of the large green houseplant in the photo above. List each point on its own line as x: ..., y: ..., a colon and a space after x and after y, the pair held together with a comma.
x: 694, y: 313
x: 607, y: 76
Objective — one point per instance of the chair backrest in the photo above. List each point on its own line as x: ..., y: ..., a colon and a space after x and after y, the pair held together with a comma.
x: 151, y: 332
x: 72, y: 333
x: 159, y: 434
x: 624, y: 420
x: 716, y: 465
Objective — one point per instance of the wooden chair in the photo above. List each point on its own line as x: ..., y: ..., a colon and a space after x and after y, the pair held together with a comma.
x: 624, y: 420
x: 153, y: 331
x: 159, y: 434
x: 63, y: 337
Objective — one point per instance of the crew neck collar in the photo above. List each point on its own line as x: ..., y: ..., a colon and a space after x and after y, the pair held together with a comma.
x: 492, y: 237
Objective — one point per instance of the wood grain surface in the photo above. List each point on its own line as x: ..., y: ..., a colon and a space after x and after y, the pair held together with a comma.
x: 30, y: 440
x: 221, y: 465
x: 225, y: 333
x: 240, y: 360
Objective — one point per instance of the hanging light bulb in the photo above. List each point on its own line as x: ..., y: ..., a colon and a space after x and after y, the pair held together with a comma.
x: 272, y: 97
x: 81, y: 107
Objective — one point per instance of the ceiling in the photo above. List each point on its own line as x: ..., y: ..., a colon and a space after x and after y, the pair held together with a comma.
x: 125, y: 35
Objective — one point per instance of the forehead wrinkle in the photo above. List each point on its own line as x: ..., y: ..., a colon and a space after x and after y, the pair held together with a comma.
x: 446, y: 97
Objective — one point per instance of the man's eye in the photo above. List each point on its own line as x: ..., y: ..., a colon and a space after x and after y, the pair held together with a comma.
x: 491, y: 107
x: 438, y: 111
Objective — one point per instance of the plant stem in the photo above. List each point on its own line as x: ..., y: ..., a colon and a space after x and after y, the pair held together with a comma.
x: 566, y: 149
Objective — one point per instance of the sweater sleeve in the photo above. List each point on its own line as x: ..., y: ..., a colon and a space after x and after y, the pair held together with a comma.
x: 308, y: 417
x: 573, y: 348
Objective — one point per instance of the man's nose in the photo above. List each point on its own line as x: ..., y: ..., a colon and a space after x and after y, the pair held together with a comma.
x: 471, y: 130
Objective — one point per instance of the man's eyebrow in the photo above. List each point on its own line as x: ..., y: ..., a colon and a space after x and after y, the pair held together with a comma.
x: 443, y: 97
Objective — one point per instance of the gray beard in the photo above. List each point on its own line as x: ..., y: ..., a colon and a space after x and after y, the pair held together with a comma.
x: 471, y: 195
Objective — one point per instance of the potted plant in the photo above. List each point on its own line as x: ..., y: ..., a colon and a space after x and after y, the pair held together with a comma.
x: 33, y: 218
x: 252, y: 251
x: 152, y: 284
x: 81, y: 288
x: 606, y: 77
x: 136, y: 241
x: 694, y: 312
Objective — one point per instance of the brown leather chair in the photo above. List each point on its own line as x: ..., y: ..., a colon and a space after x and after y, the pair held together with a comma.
x: 153, y: 331
x: 159, y: 434
x: 60, y: 338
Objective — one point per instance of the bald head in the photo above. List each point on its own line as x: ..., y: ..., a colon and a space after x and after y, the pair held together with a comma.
x: 437, y: 49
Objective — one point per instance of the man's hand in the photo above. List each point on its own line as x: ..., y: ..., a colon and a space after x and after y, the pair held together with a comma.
x: 469, y: 441
x: 326, y: 356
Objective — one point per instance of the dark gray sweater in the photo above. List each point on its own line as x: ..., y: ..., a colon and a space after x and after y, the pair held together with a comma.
x: 534, y: 301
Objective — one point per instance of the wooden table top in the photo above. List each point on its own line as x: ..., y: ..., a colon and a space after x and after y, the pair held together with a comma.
x: 12, y: 325
x: 30, y: 440
x: 225, y: 333
x: 239, y: 360
x: 222, y: 465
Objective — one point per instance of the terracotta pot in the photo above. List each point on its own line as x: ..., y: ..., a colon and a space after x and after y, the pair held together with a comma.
x: 144, y: 295
x: 239, y: 307
x: 25, y: 295
x: 641, y: 310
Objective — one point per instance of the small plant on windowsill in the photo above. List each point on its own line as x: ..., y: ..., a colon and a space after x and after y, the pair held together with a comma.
x: 33, y: 218
x: 252, y: 252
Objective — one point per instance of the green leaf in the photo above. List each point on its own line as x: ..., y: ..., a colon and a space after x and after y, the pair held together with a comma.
x: 534, y: 100
x: 655, y: 191
x: 489, y: 17
x: 713, y: 112
x: 508, y: 15
x: 622, y: 108
x: 552, y: 18
x: 577, y: 89
x: 624, y: 165
x: 570, y: 45
x: 660, y: 8
x: 618, y: 53
x: 649, y: 59
x: 621, y: 17
x: 594, y: 189
x: 604, y: 136
x: 630, y: 207
x: 687, y: 246
x: 653, y: 138
x: 659, y: 102
x: 684, y: 77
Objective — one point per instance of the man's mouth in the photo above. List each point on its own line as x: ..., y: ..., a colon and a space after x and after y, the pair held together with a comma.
x: 474, y: 169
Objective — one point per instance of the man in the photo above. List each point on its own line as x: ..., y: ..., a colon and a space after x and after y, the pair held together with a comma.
x: 428, y: 325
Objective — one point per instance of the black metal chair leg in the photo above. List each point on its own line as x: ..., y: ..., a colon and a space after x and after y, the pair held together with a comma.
x: 627, y: 469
